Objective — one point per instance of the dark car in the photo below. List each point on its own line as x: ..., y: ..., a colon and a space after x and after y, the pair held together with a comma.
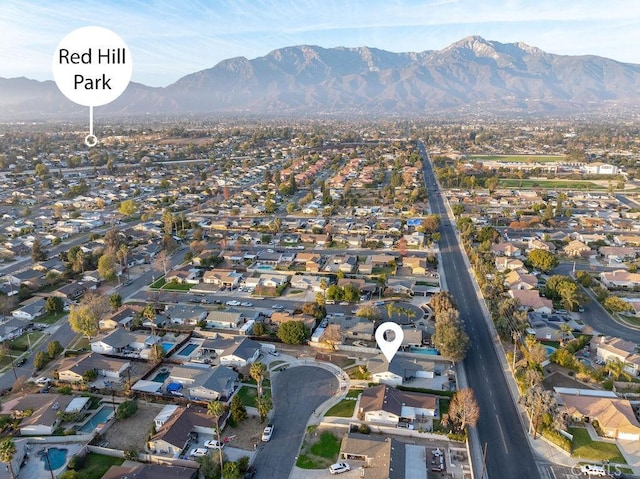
x: 251, y: 473
x: 21, y: 362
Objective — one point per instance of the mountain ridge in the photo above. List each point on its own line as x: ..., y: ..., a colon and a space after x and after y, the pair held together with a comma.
x: 472, y: 74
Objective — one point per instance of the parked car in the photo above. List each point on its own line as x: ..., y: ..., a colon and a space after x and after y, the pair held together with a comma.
x: 233, y: 303
x: 267, y: 433
x: 339, y: 468
x: 246, y: 304
x: 21, y: 361
x: 198, y: 452
x: 250, y: 473
x: 213, y: 444
x: 43, y: 380
x: 274, y: 352
x: 593, y: 470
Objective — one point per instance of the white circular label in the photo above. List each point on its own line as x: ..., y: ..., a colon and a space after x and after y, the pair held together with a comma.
x: 92, y: 66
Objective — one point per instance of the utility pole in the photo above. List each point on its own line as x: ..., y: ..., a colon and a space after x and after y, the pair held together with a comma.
x: 484, y: 460
x: 516, y: 336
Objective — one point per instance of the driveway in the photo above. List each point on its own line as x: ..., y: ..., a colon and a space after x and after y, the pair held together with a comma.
x: 297, y: 392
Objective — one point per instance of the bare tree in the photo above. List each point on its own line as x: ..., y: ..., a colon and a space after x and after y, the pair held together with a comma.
x: 332, y: 336
x: 463, y: 411
x: 161, y: 262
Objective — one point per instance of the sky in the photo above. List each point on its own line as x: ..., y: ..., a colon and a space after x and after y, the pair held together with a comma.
x: 172, y: 38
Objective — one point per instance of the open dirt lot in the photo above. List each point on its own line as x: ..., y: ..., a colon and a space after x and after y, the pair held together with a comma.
x: 248, y: 433
x: 132, y: 432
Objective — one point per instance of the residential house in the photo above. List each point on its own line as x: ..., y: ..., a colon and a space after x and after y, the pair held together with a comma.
x: 173, y: 435
x: 72, y: 291
x: 609, y: 348
x: 210, y: 384
x: 518, y: 279
x: 121, y: 318
x: 616, y: 417
x: 417, y: 265
x: 504, y: 263
x: 182, y: 314
x: 183, y: 275
x: 228, y: 278
x: 273, y: 280
x: 307, y: 282
x: 29, y: 278
x: 415, y: 239
x: 39, y: 413
x: 384, y: 404
x: 401, y: 286
x: 72, y: 369
x: 30, y: 309
x: 12, y: 328
x: 618, y: 254
x: 224, y: 319
x: 535, y: 243
x: 620, y: 278
x: 280, y: 317
x: 115, y: 342
x: 396, y: 372
x: 241, y: 353
x: 383, y: 457
x: 530, y: 299
x: 311, y: 261
x: 358, y: 328
x: 505, y: 249
x: 576, y: 249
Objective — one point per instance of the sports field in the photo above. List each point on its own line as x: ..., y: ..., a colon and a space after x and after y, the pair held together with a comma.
x: 518, y: 158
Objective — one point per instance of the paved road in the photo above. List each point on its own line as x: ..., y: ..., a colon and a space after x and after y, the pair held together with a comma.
x: 595, y: 316
x: 298, y: 391
x: 499, y: 428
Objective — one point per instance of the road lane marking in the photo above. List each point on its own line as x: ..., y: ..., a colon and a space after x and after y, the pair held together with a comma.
x: 504, y: 442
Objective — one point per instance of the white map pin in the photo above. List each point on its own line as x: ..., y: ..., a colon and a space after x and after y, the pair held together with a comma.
x: 389, y: 348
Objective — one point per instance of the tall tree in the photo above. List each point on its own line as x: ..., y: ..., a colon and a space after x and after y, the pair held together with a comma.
x: 449, y: 337
x: 38, y: 252
x: 257, y: 371
x: 216, y: 409
x: 7, y: 451
x: 463, y: 411
x: 84, y: 318
x: 107, y: 266
x: 264, y: 405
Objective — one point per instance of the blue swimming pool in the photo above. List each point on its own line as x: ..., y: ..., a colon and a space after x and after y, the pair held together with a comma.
x: 188, y: 349
x: 161, y: 377
x: 430, y: 351
x: 100, y: 417
x: 167, y: 346
x: 549, y: 350
x: 53, y: 458
x: 265, y: 267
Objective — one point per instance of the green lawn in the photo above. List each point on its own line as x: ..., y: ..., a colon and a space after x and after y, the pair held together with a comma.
x: 96, y: 465
x: 344, y: 408
x: 51, y: 318
x: 551, y: 184
x: 21, y: 344
x: 584, y: 448
x: 354, y: 393
x: 177, y: 286
x: 328, y: 446
x: 248, y: 395
x: 158, y: 283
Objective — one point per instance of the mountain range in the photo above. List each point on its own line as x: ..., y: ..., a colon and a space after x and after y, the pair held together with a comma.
x: 471, y: 75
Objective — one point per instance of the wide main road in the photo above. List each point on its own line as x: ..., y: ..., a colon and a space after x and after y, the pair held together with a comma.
x: 507, y: 449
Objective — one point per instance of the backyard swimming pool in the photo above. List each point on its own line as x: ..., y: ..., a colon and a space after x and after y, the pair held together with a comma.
x: 549, y: 350
x: 98, y: 418
x: 265, y: 267
x: 188, y: 349
x: 430, y: 351
x: 57, y: 458
x: 161, y: 377
x: 167, y: 346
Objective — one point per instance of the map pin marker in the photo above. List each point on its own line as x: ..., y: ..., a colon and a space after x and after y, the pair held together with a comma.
x: 389, y: 348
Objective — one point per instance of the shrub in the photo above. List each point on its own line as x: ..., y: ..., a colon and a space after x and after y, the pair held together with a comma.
x: 364, y: 429
x: 76, y: 463
x: 40, y: 360
x: 127, y: 409
x: 556, y: 438
x: 243, y: 463
x: 64, y: 390
x: 131, y: 454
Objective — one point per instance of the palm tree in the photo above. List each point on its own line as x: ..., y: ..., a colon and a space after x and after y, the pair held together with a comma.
x: 123, y: 256
x: 615, y: 369
x: 217, y: 409
x: 257, y: 371
x: 7, y: 451
x: 264, y: 405
x: 391, y: 308
x: 563, y: 334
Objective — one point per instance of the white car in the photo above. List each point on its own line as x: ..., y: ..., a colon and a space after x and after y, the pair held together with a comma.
x: 43, y: 380
x: 213, y: 444
x: 232, y: 303
x: 339, y: 468
x: 198, y: 452
x: 267, y: 433
x: 274, y: 352
x: 593, y: 470
x: 246, y: 304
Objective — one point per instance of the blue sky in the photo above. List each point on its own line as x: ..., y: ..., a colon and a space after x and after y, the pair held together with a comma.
x: 171, y: 38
